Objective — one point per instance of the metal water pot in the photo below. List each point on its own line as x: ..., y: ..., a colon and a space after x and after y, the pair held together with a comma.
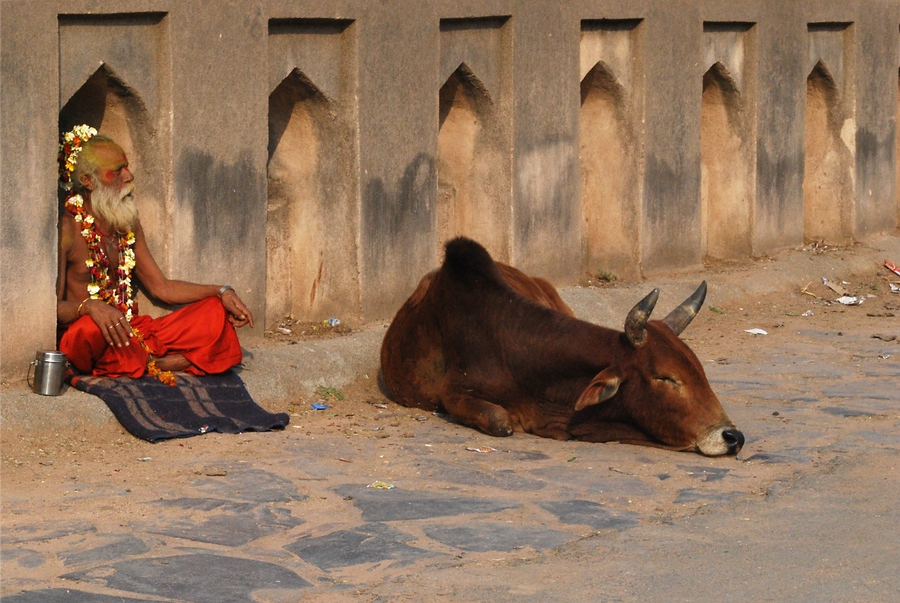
x: 49, y: 370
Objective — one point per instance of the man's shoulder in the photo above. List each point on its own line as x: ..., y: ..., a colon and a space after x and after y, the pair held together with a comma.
x: 67, y: 225
x: 138, y: 231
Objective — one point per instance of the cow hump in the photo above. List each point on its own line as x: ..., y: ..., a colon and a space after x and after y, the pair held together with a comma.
x: 465, y: 258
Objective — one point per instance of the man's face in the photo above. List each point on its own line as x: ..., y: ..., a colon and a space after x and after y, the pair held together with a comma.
x: 112, y: 167
x: 112, y: 198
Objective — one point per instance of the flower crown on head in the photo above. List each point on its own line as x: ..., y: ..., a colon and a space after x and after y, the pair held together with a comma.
x: 70, y: 144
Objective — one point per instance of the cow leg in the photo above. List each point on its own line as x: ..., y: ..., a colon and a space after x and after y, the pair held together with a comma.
x: 486, y: 416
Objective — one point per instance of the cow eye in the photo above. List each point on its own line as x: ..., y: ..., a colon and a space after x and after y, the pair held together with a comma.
x: 669, y: 381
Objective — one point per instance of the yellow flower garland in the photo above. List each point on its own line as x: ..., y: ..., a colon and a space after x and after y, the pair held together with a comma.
x: 69, y: 148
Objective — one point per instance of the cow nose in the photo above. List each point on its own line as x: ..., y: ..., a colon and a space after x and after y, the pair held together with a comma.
x: 734, y: 439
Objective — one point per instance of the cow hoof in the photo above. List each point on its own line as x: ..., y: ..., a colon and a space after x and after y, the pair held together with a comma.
x: 499, y: 426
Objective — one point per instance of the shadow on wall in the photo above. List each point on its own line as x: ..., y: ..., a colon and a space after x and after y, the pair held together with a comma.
x: 392, y: 218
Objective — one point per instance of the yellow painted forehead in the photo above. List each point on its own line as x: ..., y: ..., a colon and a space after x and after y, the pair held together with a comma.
x: 108, y: 154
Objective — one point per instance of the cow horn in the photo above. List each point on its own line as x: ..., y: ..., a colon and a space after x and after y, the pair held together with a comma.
x: 679, y: 318
x: 636, y: 321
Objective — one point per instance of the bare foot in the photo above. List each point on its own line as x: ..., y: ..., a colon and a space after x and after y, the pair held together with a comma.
x: 172, y: 362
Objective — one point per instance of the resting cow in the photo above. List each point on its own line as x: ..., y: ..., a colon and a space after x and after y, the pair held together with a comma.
x: 500, y: 351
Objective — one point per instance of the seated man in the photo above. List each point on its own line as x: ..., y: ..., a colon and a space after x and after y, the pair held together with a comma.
x: 102, y: 247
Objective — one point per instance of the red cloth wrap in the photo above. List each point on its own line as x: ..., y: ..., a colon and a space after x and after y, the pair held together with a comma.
x: 201, y: 332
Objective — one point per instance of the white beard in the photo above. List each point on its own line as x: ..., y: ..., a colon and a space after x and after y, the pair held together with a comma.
x: 114, y: 207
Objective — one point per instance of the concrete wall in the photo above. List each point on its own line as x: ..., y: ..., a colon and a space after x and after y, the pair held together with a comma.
x: 316, y: 155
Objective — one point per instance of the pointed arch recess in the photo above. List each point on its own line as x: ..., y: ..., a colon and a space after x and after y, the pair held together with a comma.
x: 725, y: 189
x: 296, y: 286
x: 470, y: 199
x: 609, y: 171
x: 827, y: 178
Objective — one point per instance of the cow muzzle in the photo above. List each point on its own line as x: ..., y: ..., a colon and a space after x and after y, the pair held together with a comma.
x: 721, y: 441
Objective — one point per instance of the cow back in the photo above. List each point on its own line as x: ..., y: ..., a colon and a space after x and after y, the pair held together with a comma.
x: 451, y: 299
x: 534, y: 288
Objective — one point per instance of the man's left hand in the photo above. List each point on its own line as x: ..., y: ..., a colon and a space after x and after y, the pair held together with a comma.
x: 238, y: 313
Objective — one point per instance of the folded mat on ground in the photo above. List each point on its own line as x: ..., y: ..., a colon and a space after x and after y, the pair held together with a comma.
x: 155, y: 411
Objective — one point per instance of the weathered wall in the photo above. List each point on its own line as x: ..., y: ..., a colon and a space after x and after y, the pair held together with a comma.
x: 315, y: 155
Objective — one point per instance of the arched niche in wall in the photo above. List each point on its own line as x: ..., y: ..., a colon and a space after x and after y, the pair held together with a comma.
x: 610, y: 174
x: 827, y: 177
x: 115, y: 109
x: 725, y: 186
x: 310, y: 227
x: 470, y: 199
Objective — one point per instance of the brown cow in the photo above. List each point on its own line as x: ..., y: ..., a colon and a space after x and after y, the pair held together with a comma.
x: 500, y: 351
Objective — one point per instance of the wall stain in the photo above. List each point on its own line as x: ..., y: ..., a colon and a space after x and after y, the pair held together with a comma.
x: 400, y: 220
x: 779, y: 181
x: 219, y: 195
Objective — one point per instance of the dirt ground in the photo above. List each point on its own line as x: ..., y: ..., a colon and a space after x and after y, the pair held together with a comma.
x: 808, y: 511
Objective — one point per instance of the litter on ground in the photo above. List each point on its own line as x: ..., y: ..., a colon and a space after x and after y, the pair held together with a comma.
x: 892, y: 267
x: 837, y: 288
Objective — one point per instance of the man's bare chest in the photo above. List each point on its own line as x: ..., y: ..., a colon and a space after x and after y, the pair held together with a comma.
x: 83, y: 263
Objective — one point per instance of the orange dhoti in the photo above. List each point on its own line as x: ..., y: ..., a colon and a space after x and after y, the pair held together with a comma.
x: 201, y: 332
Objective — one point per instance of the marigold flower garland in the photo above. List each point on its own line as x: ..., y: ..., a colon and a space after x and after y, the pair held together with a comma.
x: 69, y: 148
x: 98, y: 263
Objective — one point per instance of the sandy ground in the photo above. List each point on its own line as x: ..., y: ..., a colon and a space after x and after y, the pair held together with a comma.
x: 808, y: 511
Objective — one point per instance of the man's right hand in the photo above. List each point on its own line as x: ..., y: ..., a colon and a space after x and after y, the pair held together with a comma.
x: 112, y: 323
x: 238, y: 313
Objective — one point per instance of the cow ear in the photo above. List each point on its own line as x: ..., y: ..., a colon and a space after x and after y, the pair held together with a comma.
x: 602, y: 387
